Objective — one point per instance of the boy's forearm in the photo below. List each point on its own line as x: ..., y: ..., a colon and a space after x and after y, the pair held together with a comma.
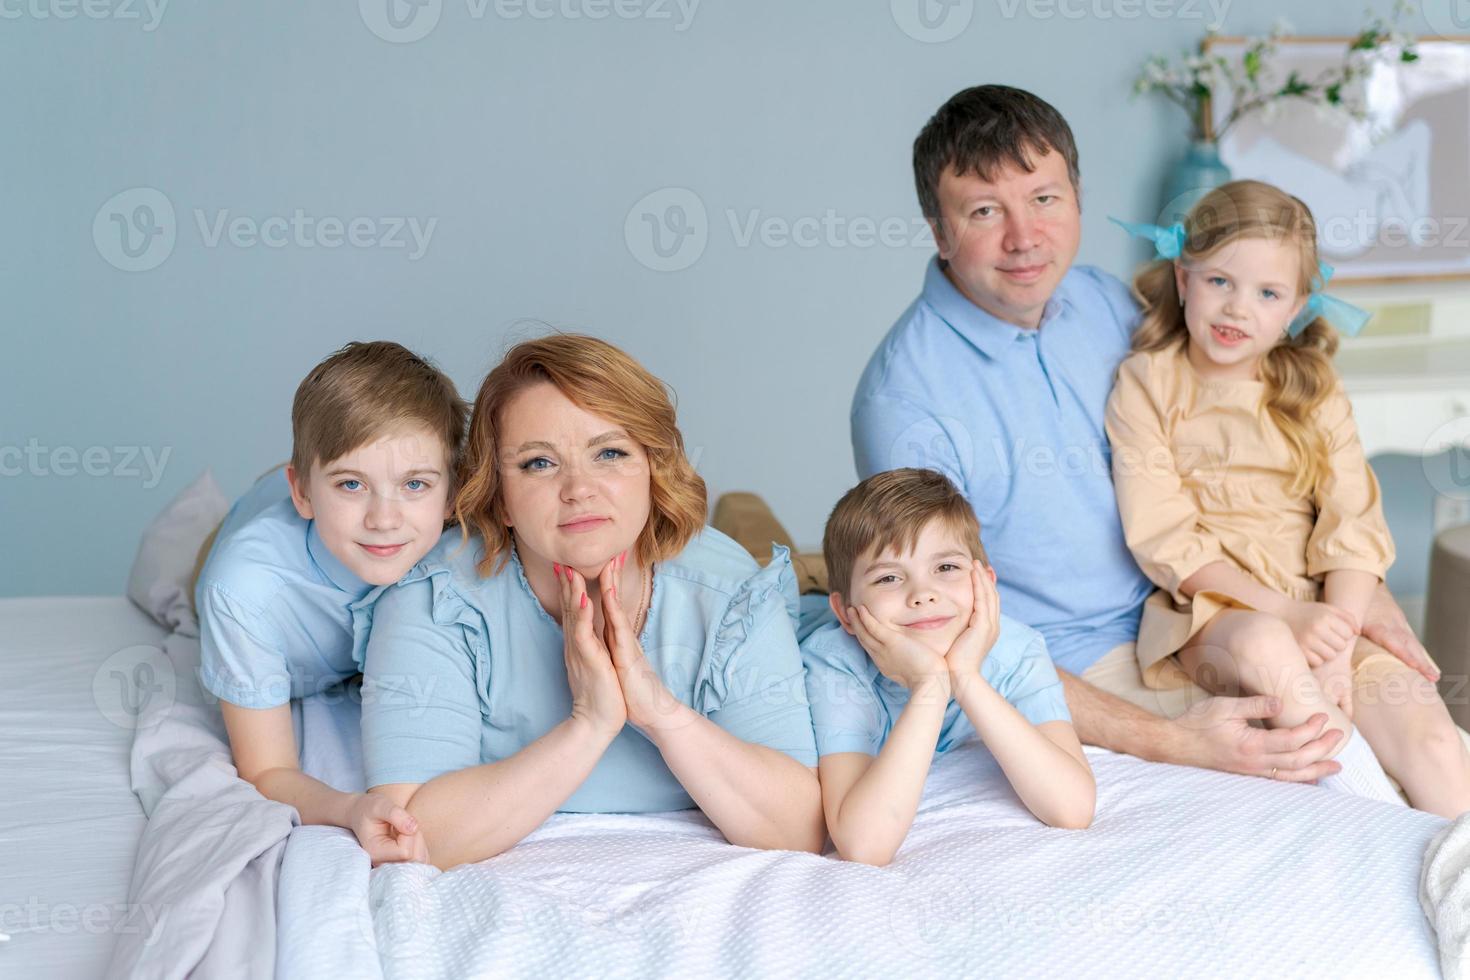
x: 1055, y: 786
x: 877, y: 812
x: 317, y: 803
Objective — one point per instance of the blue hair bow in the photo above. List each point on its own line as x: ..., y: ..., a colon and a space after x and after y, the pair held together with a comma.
x: 1168, y: 242
x: 1345, y: 318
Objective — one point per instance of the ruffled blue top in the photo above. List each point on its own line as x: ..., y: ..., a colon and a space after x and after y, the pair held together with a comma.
x: 461, y: 670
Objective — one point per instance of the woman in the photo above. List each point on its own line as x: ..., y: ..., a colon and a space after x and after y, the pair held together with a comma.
x: 586, y: 644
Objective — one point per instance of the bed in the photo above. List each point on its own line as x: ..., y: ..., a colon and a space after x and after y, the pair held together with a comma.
x: 1183, y: 871
x: 132, y: 849
x: 69, y: 822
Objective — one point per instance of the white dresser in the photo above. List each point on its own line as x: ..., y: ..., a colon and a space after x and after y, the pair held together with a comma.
x: 1408, y: 377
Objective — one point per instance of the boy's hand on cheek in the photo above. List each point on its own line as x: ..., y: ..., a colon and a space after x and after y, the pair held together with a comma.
x: 900, y: 658
x: 970, y: 648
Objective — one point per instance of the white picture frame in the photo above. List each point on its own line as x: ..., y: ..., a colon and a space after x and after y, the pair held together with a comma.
x: 1391, y: 195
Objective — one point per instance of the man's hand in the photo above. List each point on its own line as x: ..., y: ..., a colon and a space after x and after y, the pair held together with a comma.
x: 1385, y: 625
x: 1216, y: 734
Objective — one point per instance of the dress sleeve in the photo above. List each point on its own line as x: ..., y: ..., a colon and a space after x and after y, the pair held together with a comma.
x: 750, y: 681
x: 1350, y: 532
x: 421, y: 704
x: 1160, y: 519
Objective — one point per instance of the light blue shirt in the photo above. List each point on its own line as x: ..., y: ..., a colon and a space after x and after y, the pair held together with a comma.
x: 1015, y: 418
x: 463, y: 670
x: 275, y: 605
x: 854, y: 706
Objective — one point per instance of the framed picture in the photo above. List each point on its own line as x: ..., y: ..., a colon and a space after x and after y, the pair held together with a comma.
x: 1390, y: 192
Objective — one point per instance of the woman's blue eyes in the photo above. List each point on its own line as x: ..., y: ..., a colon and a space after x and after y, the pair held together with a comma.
x: 416, y: 485
x: 607, y: 455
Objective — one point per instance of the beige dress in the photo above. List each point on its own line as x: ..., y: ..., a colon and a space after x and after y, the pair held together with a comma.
x: 1203, y: 475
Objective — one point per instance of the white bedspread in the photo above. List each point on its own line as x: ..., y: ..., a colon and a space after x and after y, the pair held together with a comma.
x: 1184, y: 872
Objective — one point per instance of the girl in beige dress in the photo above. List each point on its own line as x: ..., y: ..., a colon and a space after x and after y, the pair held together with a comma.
x: 1245, y: 496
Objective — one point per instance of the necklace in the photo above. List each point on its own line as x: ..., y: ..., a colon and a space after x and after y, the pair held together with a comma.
x: 645, y: 594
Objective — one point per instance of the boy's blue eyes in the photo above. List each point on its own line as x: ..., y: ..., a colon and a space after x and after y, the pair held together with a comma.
x: 414, y: 486
x: 607, y: 455
x: 946, y: 567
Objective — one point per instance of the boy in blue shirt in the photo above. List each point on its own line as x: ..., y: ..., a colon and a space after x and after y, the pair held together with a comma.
x: 919, y: 660
x: 376, y: 434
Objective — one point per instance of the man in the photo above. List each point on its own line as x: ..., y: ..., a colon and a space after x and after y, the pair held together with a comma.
x: 998, y: 376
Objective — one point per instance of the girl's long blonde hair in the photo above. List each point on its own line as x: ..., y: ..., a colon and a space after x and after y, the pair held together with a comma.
x: 1297, y: 372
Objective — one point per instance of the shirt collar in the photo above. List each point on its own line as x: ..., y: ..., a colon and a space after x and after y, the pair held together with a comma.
x: 332, y: 567
x: 991, y: 334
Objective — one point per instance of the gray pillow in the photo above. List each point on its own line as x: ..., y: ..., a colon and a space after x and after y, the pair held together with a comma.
x: 161, y: 578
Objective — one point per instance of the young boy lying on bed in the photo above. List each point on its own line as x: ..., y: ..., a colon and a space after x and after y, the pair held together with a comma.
x: 919, y: 661
x: 376, y: 433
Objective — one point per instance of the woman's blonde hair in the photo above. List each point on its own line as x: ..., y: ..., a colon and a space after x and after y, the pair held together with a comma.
x: 1297, y: 372
x: 605, y: 381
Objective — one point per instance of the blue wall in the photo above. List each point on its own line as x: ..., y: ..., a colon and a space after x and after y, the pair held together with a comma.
x: 526, y: 141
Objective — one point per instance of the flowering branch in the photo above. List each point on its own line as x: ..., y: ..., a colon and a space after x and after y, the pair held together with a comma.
x: 1198, y: 77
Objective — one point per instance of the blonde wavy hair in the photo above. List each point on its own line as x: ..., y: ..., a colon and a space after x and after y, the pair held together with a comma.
x: 603, y: 380
x: 1297, y: 372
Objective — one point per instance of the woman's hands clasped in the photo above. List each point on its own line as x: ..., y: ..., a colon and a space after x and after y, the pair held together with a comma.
x: 610, y: 677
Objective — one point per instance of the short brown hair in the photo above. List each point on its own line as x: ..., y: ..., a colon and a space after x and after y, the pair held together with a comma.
x: 365, y: 390
x: 603, y: 380
x: 890, y: 510
x: 983, y: 127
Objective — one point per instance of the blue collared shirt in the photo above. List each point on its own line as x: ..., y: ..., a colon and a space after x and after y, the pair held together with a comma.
x: 1015, y: 418
x: 462, y: 669
x: 854, y: 706
x: 275, y: 605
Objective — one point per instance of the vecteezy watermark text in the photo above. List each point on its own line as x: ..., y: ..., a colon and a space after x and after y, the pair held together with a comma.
x: 123, y: 462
